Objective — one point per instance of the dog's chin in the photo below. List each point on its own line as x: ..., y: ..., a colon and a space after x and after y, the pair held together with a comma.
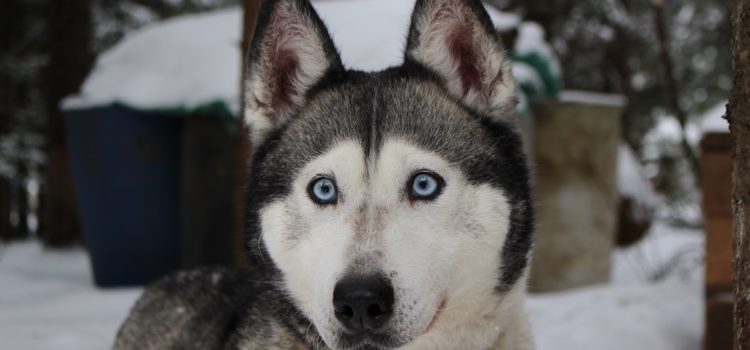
x: 388, y: 338
x: 371, y: 341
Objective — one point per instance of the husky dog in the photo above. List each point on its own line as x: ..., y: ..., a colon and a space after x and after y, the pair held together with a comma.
x: 386, y: 210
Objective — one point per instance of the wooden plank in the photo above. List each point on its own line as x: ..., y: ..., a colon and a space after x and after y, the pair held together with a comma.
x: 719, y: 236
x: 207, y: 217
x: 719, y: 323
x: 716, y: 171
x: 70, y: 33
x: 716, y: 185
x: 243, y: 145
x: 5, y: 228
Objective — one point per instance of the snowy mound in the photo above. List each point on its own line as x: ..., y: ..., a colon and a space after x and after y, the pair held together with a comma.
x: 634, y: 184
x: 667, y: 132
x: 193, y: 61
x: 186, y: 62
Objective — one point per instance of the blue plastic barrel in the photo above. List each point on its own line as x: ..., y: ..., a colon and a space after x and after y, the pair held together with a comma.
x: 125, y: 166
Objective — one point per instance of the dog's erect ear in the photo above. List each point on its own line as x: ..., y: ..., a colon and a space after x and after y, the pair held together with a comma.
x: 456, y: 40
x: 290, y: 53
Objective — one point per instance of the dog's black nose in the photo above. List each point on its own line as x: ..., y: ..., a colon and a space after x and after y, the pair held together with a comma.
x: 363, y: 303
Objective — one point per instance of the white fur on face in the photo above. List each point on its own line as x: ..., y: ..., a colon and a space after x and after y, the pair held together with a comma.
x: 442, y: 256
x: 308, y: 242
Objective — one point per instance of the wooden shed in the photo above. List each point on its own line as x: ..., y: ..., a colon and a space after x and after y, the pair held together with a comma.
x: 716, y: 184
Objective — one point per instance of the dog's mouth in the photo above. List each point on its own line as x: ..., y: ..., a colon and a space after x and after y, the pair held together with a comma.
x: 434, y: 320
x: 378, y: 341
x: 368, y: 341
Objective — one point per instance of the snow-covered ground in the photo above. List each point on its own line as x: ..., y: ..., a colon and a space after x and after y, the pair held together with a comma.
x: 48, y: 301
x: 634, y: 311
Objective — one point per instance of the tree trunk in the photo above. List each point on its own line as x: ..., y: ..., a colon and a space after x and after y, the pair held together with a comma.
x: 6, y: 232
x: 69, y: 45
x: 739, y: 125
x: 242, y: 162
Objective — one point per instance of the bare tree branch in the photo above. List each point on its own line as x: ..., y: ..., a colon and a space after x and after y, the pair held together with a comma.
x: 671, y: 88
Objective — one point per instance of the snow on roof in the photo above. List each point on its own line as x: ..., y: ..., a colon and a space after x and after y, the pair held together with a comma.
x: 194, y: 60
x: 531, y: 40
x: 502, y: 20
x: 713, y: 119
x: 592, y: 98
x: 187, y: 61
x: 668, y: 129
x: 371, y: 34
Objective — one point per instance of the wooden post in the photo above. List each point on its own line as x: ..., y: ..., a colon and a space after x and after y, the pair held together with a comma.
x: 739, y: 125
x: 716, y: 168
x: 243, y: 142
x: 5, y: 228
x: 576, y: 144
x: 207, y: 192
x: 69, y: 44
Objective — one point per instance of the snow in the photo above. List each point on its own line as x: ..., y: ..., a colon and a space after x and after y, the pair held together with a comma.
x: 633, y: 182
x: 526, y: 73
x: 503, y: 21
x: 667, y: 131
x: 713, y: 119
x: 531, y: 40
x: 48, y: 301
x: 626, y: 318
x: 667, y: 127
x: 183, y: 62
x: 635, y: 311
x: 371, y: 34
x: 194, y: 60
x: 592, y: 98
x: 668, y: 254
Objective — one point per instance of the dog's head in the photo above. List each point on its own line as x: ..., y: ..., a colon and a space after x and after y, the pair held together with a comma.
x: 393, y: 203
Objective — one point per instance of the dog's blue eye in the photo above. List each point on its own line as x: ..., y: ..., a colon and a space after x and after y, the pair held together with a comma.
x: 425, y: 186
x: 323, y: 191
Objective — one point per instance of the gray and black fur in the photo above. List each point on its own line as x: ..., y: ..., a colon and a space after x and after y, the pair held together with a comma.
x: 226, y: 309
